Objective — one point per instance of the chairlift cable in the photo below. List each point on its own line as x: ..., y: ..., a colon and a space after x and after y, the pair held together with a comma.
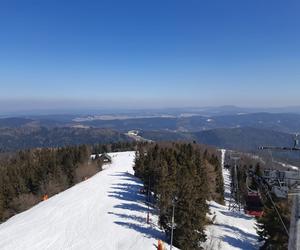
x: 274, y: 205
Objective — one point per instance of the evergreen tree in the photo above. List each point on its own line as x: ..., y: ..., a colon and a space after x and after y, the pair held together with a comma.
x: 270, y: 228
x: 28, y: 174
x: 179, y: 170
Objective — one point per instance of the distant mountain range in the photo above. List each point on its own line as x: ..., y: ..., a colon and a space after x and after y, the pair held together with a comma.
x: 282, y: 122
x: 235, y: 131
x: 289, y: 123
x: 178, y: 111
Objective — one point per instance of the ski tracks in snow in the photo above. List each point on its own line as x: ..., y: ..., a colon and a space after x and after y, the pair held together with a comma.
x: 103, y: 212
x: 230, y: 230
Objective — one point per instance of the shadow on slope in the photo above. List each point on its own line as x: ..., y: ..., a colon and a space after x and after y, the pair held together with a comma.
x: 239, y: 243
x: 236, y: 215
x: 132, y: 212
x: 243, y: 240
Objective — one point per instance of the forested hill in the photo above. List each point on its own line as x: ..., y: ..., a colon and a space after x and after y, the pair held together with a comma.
x: 14, y: 122
x: 242, y: 139
x: 241, y: 132
x: 27, y: 175
x: 12, y: 139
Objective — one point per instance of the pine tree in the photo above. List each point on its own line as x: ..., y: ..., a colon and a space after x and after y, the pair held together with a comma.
x: 270, y: 228
x: 180, y: 170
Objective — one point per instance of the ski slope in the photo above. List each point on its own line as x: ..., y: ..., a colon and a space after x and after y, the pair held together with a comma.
x: 107, y: 212
x: 103, y: 212
x: 230, y: 230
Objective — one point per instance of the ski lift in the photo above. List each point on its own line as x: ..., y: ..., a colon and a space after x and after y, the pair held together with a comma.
x: 276, y: 181
x: 254, y: 206
x: 280, y: 192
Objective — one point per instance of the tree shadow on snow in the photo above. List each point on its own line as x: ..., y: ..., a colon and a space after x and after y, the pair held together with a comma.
x: 126, y: 194
x: 239, y: 231
x: 132, y: 201
x: 239, y: 243
x: 236, y: 215
x: 243, y: 240
x: 132, y: 207
x: 129, y: 217
x: 227, y: 195
x: 126, y: 176
x: 147, y: 231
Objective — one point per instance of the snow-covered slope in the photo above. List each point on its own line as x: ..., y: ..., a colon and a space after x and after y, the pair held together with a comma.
x: 103, y: 212
x: 230, y: 230
x: 107, y: 212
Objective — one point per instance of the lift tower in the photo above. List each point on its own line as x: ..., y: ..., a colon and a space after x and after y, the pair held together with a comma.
x: 235, y: 201
x: 294, y: 232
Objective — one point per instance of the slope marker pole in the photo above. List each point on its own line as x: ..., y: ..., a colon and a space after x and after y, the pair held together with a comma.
x: 173, y: 212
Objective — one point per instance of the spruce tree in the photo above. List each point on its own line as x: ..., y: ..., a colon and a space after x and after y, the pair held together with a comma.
x: 270, y: 228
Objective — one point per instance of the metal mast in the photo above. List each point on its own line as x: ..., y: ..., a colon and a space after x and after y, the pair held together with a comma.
x: 294, y: 232
x: 234, y: 202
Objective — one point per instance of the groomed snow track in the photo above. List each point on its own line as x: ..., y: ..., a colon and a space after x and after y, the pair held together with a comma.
x: 231, y: 230
x: 103, y: 212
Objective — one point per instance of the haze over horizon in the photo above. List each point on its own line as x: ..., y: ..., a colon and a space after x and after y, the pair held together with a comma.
x: 137, y: 54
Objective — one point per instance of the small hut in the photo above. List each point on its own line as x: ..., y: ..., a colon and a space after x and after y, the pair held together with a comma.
x: 105, y: 158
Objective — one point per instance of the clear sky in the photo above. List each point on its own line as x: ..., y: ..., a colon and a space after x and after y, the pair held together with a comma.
x: 149, y: 53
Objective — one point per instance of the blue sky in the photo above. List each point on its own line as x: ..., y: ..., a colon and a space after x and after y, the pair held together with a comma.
x: 142, y: 53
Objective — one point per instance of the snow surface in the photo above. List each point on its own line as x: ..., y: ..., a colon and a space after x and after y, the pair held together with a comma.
x: 289, y: 166
x: 230, y: 230
x: 107, y: 212
x: 103, y: 212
